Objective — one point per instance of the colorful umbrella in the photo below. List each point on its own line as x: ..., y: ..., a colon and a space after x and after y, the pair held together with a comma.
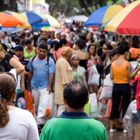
x: 126, y: 21
x: 31, y: 17
x: 102, y: 15
x: 7, y: 20
x: 19, y: 17
x: 48, y: 21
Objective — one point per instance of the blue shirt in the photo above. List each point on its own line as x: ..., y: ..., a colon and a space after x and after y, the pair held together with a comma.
x: 41, y: 70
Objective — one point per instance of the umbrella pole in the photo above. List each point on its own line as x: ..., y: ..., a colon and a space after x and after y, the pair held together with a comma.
x: 116, y: 37
x: 131, y: 41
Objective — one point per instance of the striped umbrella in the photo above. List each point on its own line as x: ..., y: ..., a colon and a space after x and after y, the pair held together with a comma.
x: 102, y: 15
x: 127, y: 21
x: 31, y: 17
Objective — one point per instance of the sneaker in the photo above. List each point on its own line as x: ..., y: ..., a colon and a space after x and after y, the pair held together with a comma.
x: 112, y: 130
x: 125, y: 131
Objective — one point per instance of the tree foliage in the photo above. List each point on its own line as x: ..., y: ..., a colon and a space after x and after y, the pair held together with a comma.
x: 10, y: 5
x: 70, y: 7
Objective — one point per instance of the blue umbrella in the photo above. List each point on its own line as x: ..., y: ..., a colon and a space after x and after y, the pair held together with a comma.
x: 102, y: 15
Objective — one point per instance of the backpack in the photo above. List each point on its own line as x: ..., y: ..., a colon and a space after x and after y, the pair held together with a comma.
x: 46, y: 60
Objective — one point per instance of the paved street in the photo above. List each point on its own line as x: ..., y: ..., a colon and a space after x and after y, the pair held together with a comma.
x: 116, y: 135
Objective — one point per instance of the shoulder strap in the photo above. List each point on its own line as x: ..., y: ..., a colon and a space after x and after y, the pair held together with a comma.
x: 32, y: 61
x: 33, y: 58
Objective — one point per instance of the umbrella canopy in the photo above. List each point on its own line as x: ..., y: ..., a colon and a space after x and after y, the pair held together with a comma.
x: 126, y: 21
x: 48, y: 21
x: 102, y: 15
x: 19, y: 17
x: 31, y: 17
x: 7, y: 20
x: 51, y: 20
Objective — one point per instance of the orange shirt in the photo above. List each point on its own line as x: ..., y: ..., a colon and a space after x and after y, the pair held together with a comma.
x: 120, y: 73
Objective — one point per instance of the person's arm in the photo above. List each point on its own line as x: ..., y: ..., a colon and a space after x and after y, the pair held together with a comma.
x: 132, y: 74
x: 51, y: 74
x: 29, y: 72
x: 84, y: 78
x: 51, y: 78
x: 29, y: 79
x: 22, y: 81
x: 111, y: 73
x: 17, y: 65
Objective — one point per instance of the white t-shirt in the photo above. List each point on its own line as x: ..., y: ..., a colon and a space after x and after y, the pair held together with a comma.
x: 21, y: 126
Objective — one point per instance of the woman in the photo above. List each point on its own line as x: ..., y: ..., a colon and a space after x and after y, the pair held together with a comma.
x: 78, y: 71
x: 93, y: 57
x: 9, y: 62
x: 89, y: 38
x: 58, y: 47
x: 120, y: 74
x: 15, y: 123
x: 63, y: 76
x: 29, y: 50
x: 79, y: 50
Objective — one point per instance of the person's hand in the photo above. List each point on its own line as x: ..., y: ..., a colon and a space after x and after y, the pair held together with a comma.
x: 22, y: 88
x: 49, y: 89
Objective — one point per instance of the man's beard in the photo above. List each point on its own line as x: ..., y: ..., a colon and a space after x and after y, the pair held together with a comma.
x: 42, y: 56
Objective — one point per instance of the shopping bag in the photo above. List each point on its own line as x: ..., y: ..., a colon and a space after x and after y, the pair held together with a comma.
x: 93, y: 76
x: 29, y: 101
x: 87, y: 108
x: 46, y: 105
x: 130, y: 117
x: 106, y: 92
x: 93, y: 105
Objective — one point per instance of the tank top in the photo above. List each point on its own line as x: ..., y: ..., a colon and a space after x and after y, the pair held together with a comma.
x: 120, y: 73
x: 29, y: 55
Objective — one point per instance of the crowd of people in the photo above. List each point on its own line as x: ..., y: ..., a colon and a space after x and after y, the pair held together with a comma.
x: 71, y: 66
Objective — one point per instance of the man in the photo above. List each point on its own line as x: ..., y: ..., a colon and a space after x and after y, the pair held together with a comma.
x: 42, y: 70
x: 74, y: 124
x: 62, y: 77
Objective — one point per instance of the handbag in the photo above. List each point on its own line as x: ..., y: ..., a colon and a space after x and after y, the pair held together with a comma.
x: 29, y: 101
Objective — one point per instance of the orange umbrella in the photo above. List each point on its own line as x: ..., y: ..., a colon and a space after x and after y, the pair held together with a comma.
x: 8, y: 20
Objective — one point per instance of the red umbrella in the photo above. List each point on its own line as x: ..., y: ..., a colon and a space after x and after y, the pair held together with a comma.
x: 127, y: 21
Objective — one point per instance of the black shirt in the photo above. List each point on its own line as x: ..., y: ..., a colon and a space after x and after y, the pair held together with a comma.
x: 4, y: 64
